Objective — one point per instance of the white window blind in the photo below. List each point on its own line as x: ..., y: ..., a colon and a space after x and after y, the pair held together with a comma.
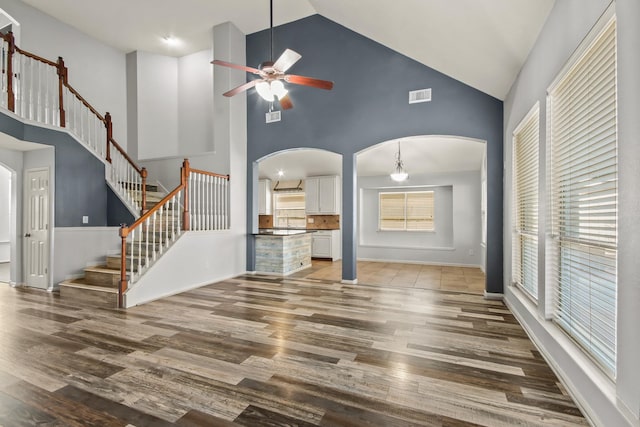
x: 583, y: 188
x: 406, y: 211
x: 526, y: 139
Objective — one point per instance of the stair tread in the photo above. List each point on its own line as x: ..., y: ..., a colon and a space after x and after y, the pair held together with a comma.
x: 103, y: 269
x: 79, y: 284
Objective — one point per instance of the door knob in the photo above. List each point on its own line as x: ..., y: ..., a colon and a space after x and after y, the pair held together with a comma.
x: 27, y: 235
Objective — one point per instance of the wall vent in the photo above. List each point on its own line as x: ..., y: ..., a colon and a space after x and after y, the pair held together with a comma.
x: 273, y: 116
x: 420, y: 95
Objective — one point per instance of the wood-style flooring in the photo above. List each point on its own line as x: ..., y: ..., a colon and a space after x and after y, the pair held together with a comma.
x: 269, y: 351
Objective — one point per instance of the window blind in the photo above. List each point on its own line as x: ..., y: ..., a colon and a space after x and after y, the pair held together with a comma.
x: 406, y: 211
x: 526, y: 139
x: 582, y: 179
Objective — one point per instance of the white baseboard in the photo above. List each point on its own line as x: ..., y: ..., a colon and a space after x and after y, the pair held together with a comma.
x: 349, y: 282
x: 493, y: 296
x: 400, y: 261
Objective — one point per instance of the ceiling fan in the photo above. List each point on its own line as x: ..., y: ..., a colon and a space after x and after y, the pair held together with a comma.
x: 271, y: 74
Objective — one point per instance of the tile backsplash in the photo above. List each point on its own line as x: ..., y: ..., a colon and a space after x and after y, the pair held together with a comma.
x: 323, y: 222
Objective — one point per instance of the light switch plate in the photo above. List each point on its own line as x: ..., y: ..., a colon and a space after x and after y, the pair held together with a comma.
x: 85, y: 219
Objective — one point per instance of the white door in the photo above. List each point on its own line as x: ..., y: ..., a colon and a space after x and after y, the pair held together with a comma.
x: 36, y: 228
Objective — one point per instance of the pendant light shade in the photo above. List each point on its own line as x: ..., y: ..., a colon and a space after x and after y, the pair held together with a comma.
x: 399, y: 174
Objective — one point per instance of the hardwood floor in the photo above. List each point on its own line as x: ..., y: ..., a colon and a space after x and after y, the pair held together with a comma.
x: 268, y: 351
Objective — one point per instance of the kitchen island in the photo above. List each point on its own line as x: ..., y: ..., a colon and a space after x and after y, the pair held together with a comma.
x: 282, y: 252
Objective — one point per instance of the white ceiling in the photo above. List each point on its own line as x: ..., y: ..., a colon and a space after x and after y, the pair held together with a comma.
x: 10, y: 143
x: 420, y: 154
x: 480, y: 42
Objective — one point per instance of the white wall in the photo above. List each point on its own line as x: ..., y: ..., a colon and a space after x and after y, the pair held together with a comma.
x: 457, y: 238
x: 96, y: 70
x: 80, y: 247
x: 5, y: 214
x: 605, y: 401
x: 210, y: 256
x: 157, y: 105
x: 195, y: 103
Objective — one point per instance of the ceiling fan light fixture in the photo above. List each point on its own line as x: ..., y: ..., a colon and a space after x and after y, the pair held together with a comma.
x: 399, y: 174
x: 264, y: 90
x: 278, y: 89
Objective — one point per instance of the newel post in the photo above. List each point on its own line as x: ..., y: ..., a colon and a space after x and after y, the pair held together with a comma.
x: 122, y: 288
x: 11, y: 102
x: 62, y: 81
x: 184, y: 178
x: 109, y: 125
x: 143, y: 189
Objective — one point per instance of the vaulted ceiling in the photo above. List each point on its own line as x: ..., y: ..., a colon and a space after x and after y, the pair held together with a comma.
x: 482, y: 43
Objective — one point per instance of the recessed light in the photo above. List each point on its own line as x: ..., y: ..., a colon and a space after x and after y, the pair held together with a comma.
x: 170, y: 40
x: 280, y: 173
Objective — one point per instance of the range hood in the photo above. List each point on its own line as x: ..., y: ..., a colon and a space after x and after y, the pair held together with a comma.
x: 288, y: 186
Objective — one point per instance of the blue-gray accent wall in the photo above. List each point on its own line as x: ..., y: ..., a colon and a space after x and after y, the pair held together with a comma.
x: 368, y: 105
x: 80, y: 186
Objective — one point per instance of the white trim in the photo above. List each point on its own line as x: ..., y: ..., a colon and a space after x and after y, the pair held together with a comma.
x: 398, y: 261
x: 493, y: 296
x: 585, y: 45
x: 349, y: 282
x: 422, y: 248
x: 532, y: 112
x: 76, y: 229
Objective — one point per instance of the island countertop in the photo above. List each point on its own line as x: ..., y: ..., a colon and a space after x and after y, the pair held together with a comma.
x: 279, y: 232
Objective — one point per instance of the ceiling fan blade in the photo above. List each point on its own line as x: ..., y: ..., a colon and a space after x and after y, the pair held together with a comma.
x: 285, y: 103
x: 308, y: 81
x: 242, y: 88
x: 236, y: 66
x: 286, y: 60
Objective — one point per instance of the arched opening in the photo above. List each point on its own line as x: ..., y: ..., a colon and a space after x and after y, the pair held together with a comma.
x: 297, y: 190
x: 7, y: 213
x: 8, y: 24
x: 430, y: 226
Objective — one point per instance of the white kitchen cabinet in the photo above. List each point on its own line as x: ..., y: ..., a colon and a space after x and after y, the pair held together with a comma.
x: 326, y: 244
x: 322, y: 195
x: 265, y: 197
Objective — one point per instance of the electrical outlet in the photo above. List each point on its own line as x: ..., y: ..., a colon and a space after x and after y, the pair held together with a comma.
x: 85, y: 219
x: 310, y: 220
x: 471, y: 252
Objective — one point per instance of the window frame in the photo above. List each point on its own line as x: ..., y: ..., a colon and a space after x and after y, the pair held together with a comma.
x: 405, y: 216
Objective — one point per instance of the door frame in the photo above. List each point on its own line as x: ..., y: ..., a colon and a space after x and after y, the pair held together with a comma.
x: 25, y: 210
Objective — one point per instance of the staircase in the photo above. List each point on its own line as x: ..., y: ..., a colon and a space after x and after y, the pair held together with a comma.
x: 99, y: 286
x: 199, y: 203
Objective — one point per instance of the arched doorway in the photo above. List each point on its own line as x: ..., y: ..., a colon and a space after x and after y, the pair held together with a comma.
x: 6, y: 196
x: 432, y: 223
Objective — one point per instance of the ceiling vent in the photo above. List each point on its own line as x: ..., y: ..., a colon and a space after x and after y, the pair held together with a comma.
x: 420, y: 95
x: 273, y: 116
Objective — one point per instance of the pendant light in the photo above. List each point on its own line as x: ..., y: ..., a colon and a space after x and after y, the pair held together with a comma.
x: 399, y: 174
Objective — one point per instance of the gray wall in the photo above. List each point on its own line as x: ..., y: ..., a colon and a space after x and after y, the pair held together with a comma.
x: 368, y: 105
x: 607, y: 402
x: 5, y: 214
x: 80, y: 187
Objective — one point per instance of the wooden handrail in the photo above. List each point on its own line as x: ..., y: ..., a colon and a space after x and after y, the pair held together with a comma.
x: 84, y: 101
x: 217, y: 175
x: 126, y: 156
x: 146, y: 215
x: 36, y: 57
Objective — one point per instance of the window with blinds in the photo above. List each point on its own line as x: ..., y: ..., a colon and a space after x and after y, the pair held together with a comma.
x: 406, y: 211
x: 526, y: 138
x: 583, y: 190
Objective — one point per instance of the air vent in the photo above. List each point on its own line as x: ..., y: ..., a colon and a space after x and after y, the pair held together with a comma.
x: 420, y: 95
x: 273, y: 116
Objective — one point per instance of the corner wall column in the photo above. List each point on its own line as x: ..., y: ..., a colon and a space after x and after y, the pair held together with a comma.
x: 349, y: 217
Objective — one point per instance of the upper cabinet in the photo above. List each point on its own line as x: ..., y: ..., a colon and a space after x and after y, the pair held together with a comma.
x: 322, y: 195
x: 265, y: 197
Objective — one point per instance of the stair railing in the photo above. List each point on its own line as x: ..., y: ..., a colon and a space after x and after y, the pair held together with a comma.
x: 37, y: 89
x: 200, y: 202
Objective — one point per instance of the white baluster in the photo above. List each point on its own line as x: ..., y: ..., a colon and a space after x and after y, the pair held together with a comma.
x: 155, y: 250
x: 131, y: 264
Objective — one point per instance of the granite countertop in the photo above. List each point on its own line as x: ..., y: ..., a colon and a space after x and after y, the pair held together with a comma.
x: 281, y: 232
